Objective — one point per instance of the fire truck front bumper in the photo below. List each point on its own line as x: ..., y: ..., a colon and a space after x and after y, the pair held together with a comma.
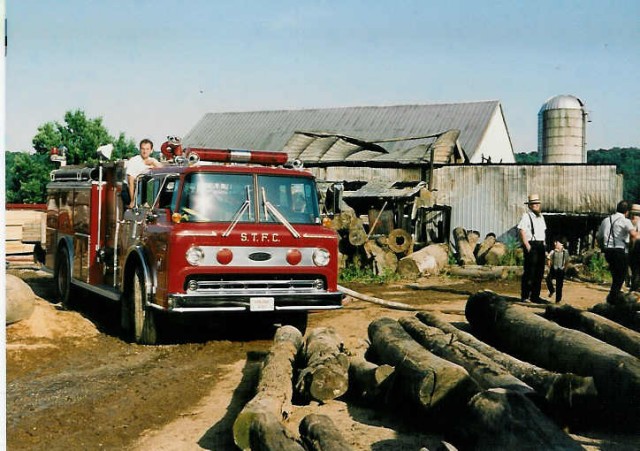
x: 254, y: 302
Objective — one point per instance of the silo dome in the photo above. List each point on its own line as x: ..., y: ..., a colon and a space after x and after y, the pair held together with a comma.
x: 562, y: 130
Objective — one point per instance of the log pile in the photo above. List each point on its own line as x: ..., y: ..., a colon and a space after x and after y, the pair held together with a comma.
x: 518, y: 331
x: 373, y: 243
x: 379, y: 248
x: 521, y: 386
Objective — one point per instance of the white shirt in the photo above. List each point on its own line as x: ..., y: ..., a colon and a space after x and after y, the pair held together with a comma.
x: 617, y: 236
x: 137, y: 166
x: 538, y: 233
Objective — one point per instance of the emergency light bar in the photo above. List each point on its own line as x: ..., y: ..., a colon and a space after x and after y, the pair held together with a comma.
x: 239, y: 156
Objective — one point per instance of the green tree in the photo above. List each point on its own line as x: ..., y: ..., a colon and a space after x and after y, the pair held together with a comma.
x: 28, y: 178
x: 27, y: 174
x: 81, y: 137
x: 527, y: 158
x: 627, y: 162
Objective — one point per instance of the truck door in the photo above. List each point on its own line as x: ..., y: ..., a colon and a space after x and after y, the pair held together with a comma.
x: 133, y: 220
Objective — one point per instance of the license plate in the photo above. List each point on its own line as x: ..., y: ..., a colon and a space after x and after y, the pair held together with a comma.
x: 261, y: 304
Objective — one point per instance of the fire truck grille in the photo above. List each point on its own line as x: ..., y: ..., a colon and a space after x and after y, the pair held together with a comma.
x: 255, y: 286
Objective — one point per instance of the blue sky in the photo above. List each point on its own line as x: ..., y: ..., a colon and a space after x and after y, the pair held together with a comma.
x: 154, y: 68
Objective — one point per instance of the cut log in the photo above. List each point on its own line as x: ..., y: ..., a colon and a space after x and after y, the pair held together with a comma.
x: 357, y: 234
x: 384, y: 261
x: 400, y: 241
x: 343, y: 220
x: 473, y: 236
x: 275, y: 385
x: 495, y: 255
x: 484, y: 248
x: 267, y: 433
x: 478, y: 272
x: 597, y: 326
x: 369, y: 382
x: 482, y: 369
x: 326, y: 372
x: 465, y: 251
x: 424, y: 380
x: 503, y: 419
x: 522, y: 333
x: 318, y: 433
x: 430, y: 259
x: 569, y: 393
x: 625, y: 313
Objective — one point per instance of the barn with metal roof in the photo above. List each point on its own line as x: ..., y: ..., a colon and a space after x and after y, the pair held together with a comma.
x: 395, y: 130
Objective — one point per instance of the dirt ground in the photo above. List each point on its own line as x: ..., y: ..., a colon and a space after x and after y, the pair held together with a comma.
x: 73, y: 383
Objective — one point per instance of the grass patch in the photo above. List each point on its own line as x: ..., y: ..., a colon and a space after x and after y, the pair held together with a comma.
x: 598, y: 268
x: 353, y: 273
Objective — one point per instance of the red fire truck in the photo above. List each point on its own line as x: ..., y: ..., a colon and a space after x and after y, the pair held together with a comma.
x: 213, y: 230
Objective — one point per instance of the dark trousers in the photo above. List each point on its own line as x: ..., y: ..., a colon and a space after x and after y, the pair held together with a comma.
x: 634, y: 265
x: 558, y: 275
x: 617, y: 260
x: 534, y: 261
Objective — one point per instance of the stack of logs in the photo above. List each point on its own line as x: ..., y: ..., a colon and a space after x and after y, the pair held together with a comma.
x: 386, y: 253
x: 549, y: 378
x: 473, y: 252
x: 393, y: 251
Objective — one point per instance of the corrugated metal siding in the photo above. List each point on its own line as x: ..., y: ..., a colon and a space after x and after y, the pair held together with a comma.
x: 270, y: 130
x: 341, y: 173
x: 490, y: 198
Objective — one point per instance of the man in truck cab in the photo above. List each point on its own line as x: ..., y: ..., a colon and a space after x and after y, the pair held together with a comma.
x: 138, y: 165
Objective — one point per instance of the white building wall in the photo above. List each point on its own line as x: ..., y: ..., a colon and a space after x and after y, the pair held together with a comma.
x: 496, y: 143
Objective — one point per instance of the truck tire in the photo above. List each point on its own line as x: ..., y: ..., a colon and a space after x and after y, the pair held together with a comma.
x: 62, y: 278
x: 142, y: 321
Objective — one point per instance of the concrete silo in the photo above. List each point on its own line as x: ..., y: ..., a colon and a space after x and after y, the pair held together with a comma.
x: 562, y: 124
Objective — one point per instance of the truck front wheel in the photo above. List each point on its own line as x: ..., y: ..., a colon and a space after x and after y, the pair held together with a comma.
x: 140, y: 319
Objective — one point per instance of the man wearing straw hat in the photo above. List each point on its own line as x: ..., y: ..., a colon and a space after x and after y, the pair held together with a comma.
x: 531, y: 230
x: 613, y: 236
x: 634, y: 249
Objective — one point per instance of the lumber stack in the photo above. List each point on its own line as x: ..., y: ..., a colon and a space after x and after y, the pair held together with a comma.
x: 24, y: 228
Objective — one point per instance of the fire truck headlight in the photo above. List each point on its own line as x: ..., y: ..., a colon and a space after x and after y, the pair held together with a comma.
x: 321, y: 257
x: 195, y: 256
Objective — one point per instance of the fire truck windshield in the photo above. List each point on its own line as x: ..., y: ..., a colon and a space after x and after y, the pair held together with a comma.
x: 223, y: 197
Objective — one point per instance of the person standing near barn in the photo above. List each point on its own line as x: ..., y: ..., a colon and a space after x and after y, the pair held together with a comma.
x: 558, y: 262
x: 634, y: 249
x: 531, y: 230
x: 614, y: 235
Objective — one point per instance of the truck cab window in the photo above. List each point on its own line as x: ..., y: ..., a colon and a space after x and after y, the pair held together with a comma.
x: 212, y: 197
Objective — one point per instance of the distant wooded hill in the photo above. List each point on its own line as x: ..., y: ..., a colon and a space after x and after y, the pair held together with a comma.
x: 626, y: 159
